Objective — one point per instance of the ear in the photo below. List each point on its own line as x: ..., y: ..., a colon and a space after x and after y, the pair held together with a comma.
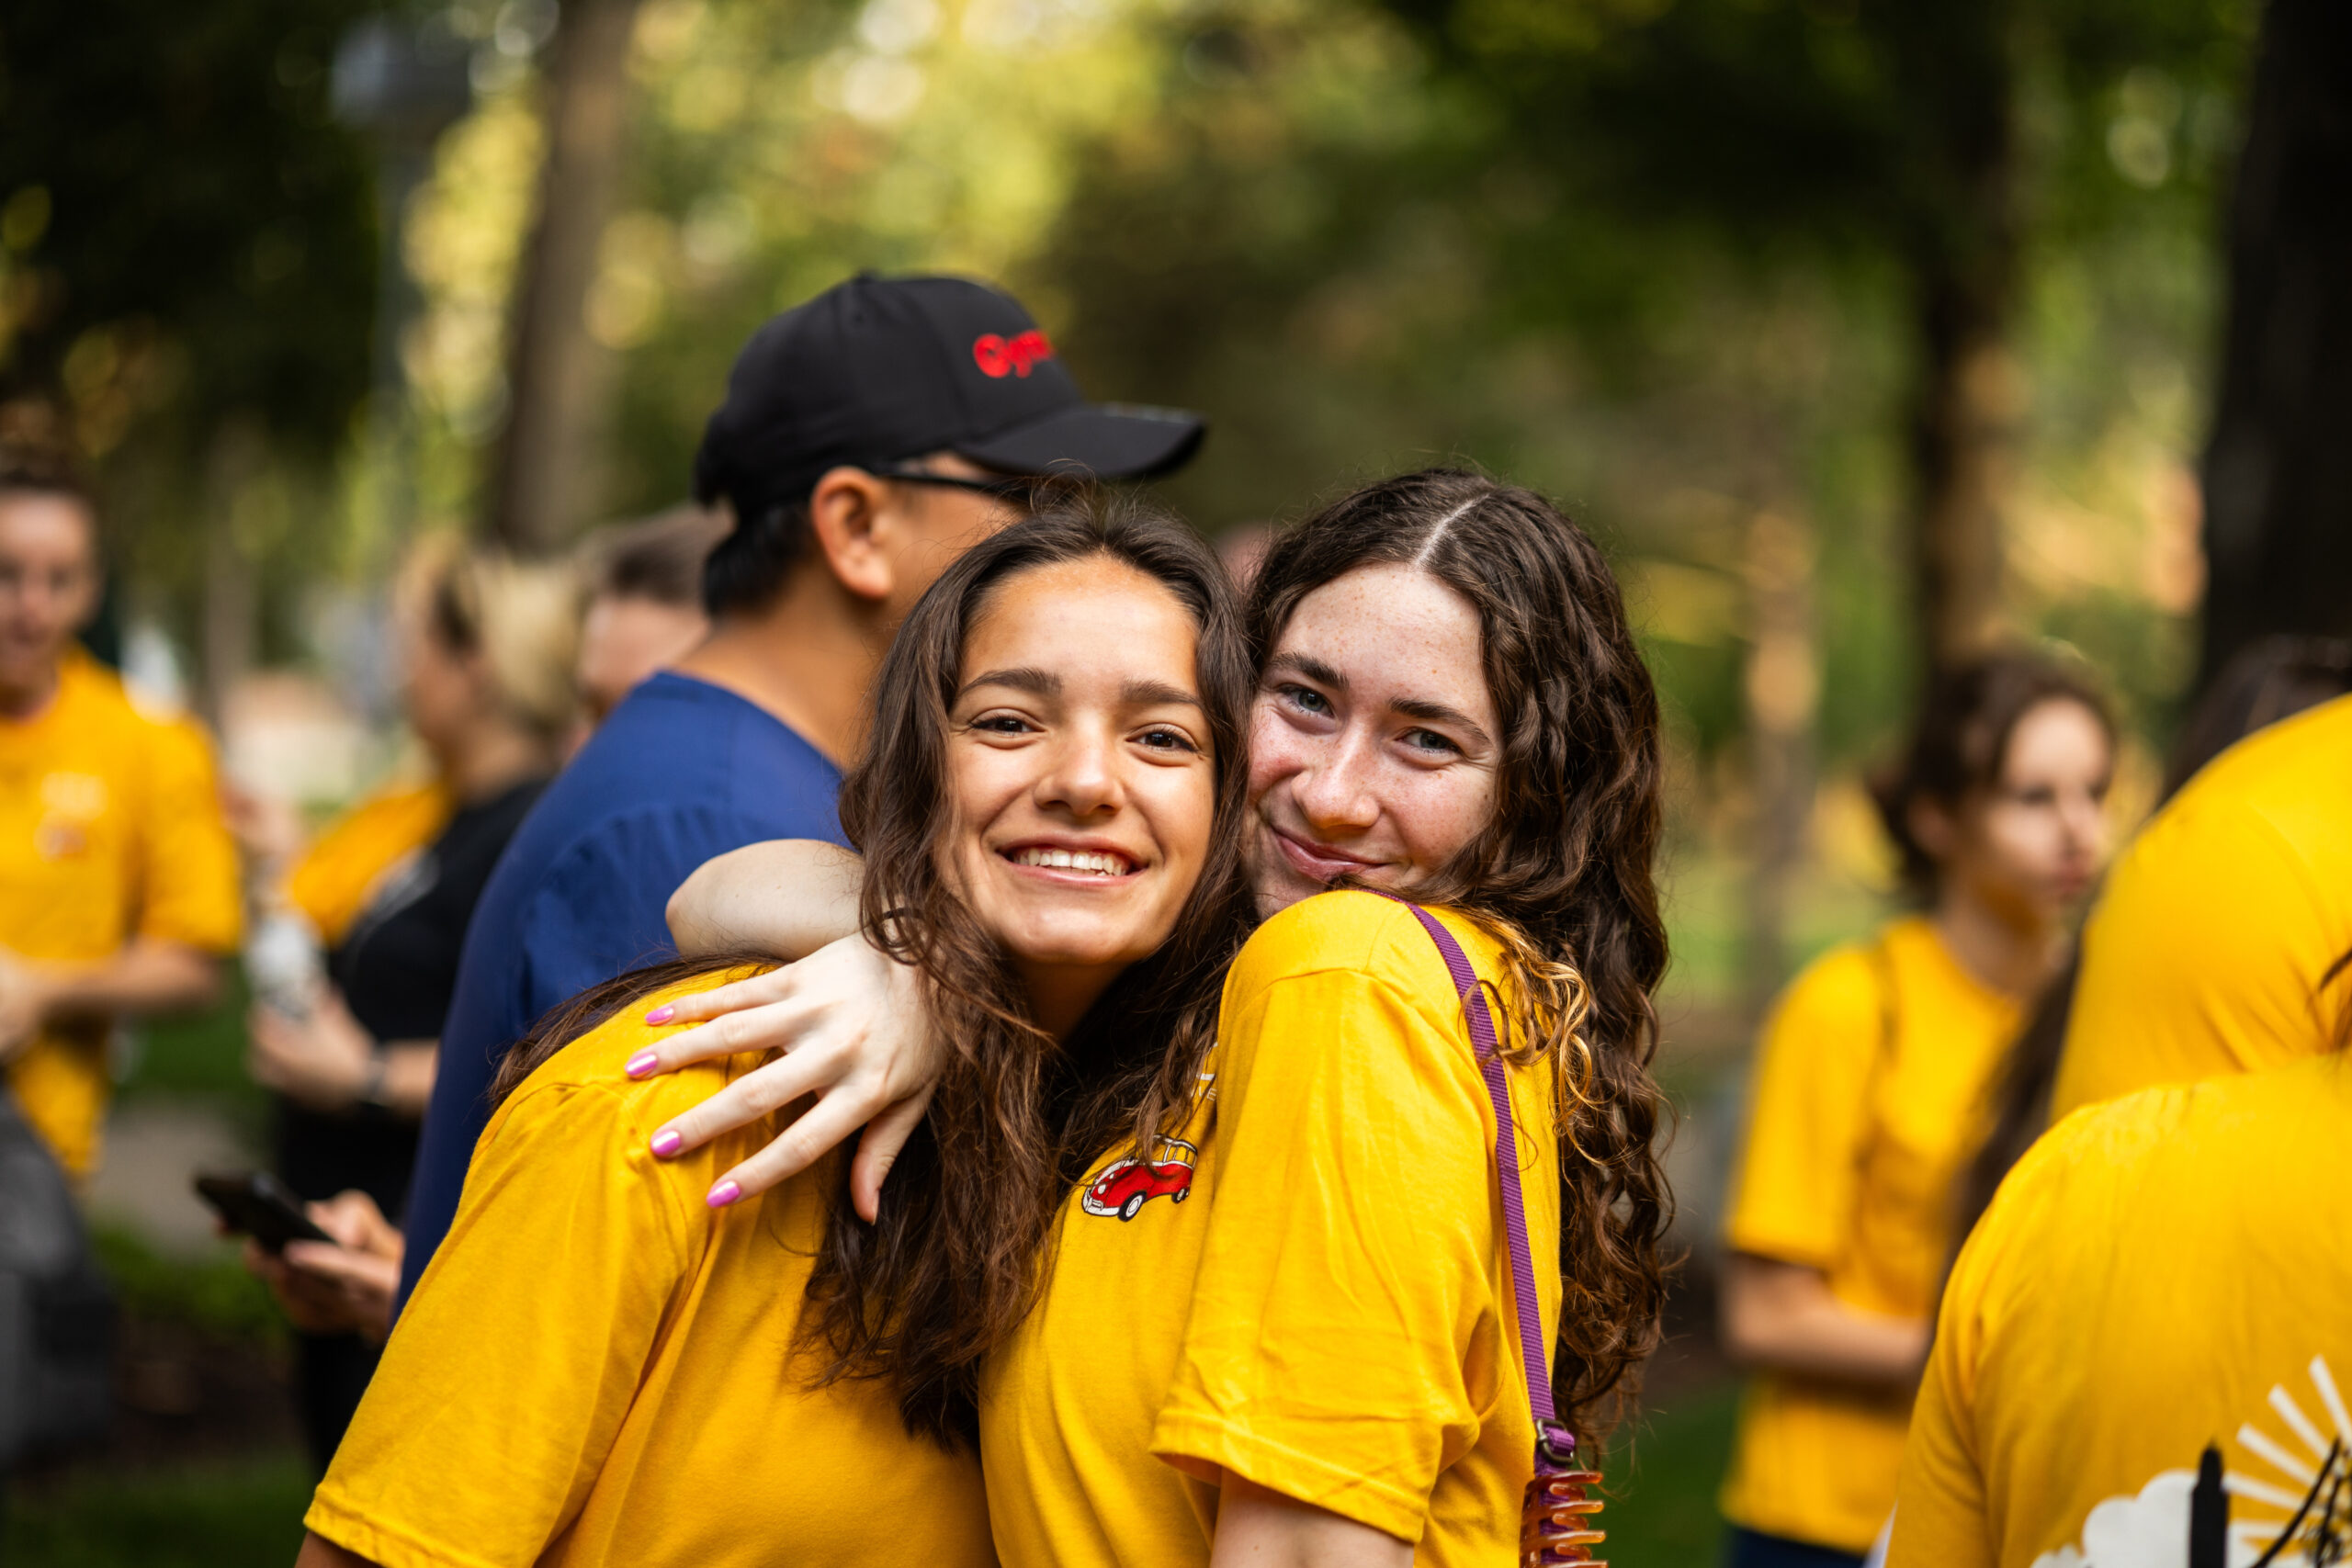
x: 1933, y: 827
x: 844, y: 510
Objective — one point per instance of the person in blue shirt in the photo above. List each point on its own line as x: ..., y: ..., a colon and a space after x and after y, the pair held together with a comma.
x: 868, y: 436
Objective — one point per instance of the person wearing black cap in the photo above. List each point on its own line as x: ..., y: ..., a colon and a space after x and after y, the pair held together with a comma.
x: 868, y: 437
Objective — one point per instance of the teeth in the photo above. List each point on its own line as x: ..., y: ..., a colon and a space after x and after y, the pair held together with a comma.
x: 1072, y: 859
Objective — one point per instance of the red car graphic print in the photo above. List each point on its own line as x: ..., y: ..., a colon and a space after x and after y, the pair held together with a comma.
x: 1124, y: 1186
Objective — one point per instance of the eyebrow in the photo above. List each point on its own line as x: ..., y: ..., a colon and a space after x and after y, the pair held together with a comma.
x: 1021, y: 678
x: 1323, y: 674
x: 1156, y: 694
x: 1045, y: 683
x: 1313, y: 668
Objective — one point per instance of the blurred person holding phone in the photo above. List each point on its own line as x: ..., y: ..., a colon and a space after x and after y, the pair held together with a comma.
x: 868, y: 437
x: 645, y: 607
x: 119, y: 880
x: 347, y: 1038
x: 1871, y: 1082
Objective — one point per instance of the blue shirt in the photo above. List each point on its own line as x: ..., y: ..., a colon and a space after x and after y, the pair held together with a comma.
x: 681, y: 771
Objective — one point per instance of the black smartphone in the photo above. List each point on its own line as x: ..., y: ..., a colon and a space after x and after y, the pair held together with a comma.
x: 257, y: 1205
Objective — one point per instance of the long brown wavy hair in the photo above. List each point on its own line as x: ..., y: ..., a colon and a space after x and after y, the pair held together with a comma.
x: 1562, y: 874
x: 1017, y: 1118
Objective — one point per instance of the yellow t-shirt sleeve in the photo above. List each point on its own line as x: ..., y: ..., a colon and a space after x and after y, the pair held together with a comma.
x: 1941, y: 1514
x: 2204, y: 955
x: 502, y: 1389
x: 188, y: 883
x: 1796, y: 1188
x: 1346, y: 1259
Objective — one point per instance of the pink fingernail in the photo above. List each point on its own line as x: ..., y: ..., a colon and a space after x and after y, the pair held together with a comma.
x: 662, y: 1014
x: 665, y: 1142
x: 726, y: 1192
x: 641, y: 1064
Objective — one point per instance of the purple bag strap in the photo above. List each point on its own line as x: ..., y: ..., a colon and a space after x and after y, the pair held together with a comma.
x: 1553, y: 1442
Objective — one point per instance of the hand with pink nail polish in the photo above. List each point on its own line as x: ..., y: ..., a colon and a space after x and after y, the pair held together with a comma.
x: 845, y: 1027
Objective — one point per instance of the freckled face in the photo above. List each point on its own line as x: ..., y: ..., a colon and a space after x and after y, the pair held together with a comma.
x: 1372, y: 740
x: 1079, y: 770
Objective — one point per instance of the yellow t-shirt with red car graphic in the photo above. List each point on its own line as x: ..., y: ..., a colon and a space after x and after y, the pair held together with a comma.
x: 1306, y: 1284
x: 111, y: 829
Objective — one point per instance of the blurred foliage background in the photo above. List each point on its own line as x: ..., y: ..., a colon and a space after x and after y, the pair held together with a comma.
x: 1680, y: 264
x: 1855, y: 330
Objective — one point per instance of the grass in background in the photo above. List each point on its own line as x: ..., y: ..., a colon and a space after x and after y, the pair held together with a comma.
x: 1662, y: 1483
x: 233, y: 1516
x: 211, y: 1292
x: 202, y: 1055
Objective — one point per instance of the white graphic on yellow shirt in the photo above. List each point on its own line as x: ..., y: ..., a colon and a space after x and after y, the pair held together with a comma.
x: 2296, y: 1513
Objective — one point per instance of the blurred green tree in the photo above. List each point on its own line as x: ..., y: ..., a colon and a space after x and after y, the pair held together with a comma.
x: 1895, y: 133
x: 186, y: 256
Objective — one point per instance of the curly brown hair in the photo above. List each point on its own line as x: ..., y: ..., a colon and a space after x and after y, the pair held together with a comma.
x: 1563, y: 872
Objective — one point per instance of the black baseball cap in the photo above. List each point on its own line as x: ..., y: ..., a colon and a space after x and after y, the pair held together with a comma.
x: 878, y: 370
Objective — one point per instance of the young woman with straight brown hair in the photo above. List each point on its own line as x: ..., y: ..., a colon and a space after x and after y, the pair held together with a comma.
x: 1051, y: 813
x: 1317, y: 1351
x: 1873, y: 1080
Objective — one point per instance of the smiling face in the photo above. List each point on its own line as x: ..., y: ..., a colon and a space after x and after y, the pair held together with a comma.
x: 1080, y: 775
x: 1373, y: 740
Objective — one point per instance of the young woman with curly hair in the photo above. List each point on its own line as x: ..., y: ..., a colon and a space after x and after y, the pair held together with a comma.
x: 1317, y: 1333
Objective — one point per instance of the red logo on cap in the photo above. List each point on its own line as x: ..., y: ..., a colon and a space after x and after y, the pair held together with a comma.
x: 999, y: 357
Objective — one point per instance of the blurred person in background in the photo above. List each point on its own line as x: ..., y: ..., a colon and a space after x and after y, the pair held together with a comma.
x: 645, y: 606
x: 485, y: 645
x: 2269, y: 680
x: 868, y: 437
x: 2207, y: 949
x: 118, y: 882
x: 1870, y: 1081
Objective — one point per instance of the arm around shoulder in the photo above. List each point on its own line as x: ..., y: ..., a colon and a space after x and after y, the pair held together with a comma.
x: 785, y: 897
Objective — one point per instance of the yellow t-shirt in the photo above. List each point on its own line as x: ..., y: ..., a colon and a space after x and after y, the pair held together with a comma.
x: 1869, y: 1099
x: 2160, y: 1272
x: 335, y: 877
x: 597, y: 1369
x: 2205, y: 953
x: 111, y: 829
x: 1320, y: 1304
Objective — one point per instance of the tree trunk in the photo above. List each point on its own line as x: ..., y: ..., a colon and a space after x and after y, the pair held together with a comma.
x: 1962, y: 460
x: 232, y: 626
x: 1782, y: 691
x: 2279, y: 468
x: 559, y: 377
x: 1963, y: 255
